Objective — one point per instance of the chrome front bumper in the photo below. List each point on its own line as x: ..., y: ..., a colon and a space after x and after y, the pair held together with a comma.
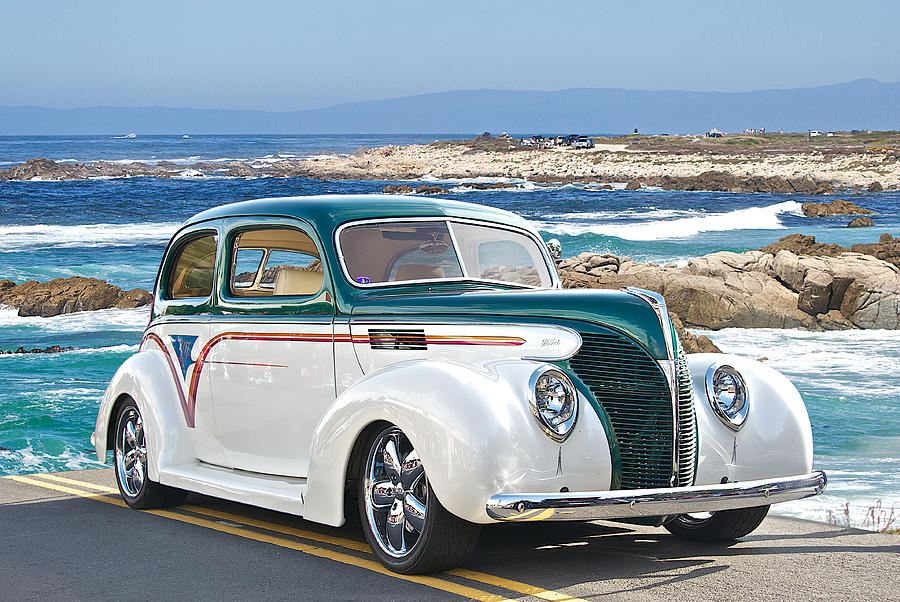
x: 634, y: 503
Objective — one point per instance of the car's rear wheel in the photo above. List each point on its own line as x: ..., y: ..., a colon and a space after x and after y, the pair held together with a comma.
x: 405, y: 524
x: 724, y: 525
x: 132, y: 477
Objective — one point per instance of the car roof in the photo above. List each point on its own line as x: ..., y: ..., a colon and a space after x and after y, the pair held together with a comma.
x: 330, y: 211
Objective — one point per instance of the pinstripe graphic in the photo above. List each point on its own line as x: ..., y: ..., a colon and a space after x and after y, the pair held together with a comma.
x: 188, y: 403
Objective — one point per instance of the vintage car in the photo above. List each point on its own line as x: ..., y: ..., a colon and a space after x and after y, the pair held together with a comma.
x: 416, y: 357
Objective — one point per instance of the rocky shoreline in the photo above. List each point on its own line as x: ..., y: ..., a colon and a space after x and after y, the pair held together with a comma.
x: 793, y: 283
x: 68, y: 295
x: 802, y: 172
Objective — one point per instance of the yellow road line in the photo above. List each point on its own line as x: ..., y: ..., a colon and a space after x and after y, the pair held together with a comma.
x: 510, y: 584
x: 85, y: 484
x: 365, y: 563
x: 516, y: 586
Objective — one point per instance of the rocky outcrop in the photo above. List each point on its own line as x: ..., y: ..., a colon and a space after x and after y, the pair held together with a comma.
x: 756, y: 289
x: 723, y: 181
x: 407, y: 189
x: 430, y: 189
x: 50, y: 349
x: 887, y: 248
x: 67, y: 295
x: 861, y: 222
x: 801, y: 244
x: 876, y: 186
x: 835, y: 207
x: 397, y: 189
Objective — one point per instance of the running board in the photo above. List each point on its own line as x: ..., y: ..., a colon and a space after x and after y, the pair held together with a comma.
x: 284, y: 494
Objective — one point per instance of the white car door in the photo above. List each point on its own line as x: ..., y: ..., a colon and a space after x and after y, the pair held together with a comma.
x: 270, y: 355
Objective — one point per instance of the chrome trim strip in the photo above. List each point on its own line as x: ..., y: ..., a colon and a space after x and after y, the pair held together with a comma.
x: 619, y: 504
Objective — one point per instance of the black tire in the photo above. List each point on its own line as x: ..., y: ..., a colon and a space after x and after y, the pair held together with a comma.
x: 444, y: 541
x: 725, y: 525
x: 130, y: 462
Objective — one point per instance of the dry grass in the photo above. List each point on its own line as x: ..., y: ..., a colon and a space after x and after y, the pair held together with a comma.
x: 877, y: 518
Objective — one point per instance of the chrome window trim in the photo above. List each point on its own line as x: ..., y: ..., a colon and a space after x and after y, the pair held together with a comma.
x: 230, y: 255
x: 550, y: 265
x: 175, y: 245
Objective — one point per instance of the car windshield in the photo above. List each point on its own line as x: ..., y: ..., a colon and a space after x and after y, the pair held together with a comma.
x: 428, y: 250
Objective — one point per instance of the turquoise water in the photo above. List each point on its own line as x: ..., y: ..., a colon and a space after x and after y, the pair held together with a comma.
x: 116, y: 229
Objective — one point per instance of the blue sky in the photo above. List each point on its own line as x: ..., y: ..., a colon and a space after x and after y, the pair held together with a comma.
x: 277, y: 55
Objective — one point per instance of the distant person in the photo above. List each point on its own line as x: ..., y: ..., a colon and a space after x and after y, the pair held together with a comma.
x: 635, y: 130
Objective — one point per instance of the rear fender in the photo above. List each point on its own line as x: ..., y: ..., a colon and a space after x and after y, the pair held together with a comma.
x: 146, y: 378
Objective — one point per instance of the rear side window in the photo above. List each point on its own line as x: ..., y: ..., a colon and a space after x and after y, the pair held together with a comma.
x: 193, y: 269
x: 275, y: 262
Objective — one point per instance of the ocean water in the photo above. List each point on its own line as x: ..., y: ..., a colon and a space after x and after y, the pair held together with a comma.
x: 116, y: 229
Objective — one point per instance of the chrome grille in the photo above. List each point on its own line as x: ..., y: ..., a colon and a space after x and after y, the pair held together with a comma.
x: 631, y: 388
x: 687, y: 422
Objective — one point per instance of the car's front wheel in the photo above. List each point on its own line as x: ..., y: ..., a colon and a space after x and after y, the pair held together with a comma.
x: 724, y: 525
x: 405, y: 524
x: 132, y: 477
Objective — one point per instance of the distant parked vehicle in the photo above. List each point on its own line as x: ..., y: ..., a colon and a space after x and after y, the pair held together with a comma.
x: 583, y: 142
x: 560, y: 141
x: 571, y: 138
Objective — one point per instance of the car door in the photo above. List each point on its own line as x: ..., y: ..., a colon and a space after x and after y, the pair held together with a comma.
x: 270, y: 356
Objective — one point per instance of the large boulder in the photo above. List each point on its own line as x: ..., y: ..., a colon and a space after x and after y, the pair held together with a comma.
x: 68, y: 295
x: 835, y: 207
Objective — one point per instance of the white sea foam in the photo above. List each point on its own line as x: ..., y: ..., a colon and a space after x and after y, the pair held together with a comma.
x: 37, y: 236
x: 121, y: 320
x: 837, y: 360
x: 27, y: 459
x: 751, y: 218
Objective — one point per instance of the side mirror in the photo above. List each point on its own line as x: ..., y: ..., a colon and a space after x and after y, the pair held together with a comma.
x: 555, y: 249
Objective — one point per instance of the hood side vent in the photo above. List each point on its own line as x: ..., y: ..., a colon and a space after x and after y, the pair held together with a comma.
x: 401, y: 340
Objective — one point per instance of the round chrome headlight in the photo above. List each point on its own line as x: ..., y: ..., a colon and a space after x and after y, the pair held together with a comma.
x: 554, y: 402
x: 727, y: 395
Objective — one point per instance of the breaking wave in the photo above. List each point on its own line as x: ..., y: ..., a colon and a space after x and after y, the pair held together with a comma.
x: 37, y: 236
x: 751, y: 218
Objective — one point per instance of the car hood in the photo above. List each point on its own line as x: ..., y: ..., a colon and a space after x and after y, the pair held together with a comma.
x: 619, y: 310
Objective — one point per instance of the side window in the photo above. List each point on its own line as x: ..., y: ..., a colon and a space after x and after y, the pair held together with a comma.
x: 192, y: 271
x: 275, y: 262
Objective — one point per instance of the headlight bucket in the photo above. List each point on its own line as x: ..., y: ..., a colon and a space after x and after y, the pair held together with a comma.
x: 728, y: 395
x: 554, y: 402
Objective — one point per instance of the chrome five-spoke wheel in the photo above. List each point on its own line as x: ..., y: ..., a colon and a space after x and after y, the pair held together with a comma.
x: 405, y: 524
x: 131, y: 463
x: 396, y: 494
x: 131, y: 453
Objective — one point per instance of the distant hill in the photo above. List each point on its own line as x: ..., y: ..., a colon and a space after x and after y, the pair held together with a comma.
x: 861, y: 104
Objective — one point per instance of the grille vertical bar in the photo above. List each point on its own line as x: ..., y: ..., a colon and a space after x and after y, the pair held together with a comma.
x: 631, y: 388
x: 687, y: 422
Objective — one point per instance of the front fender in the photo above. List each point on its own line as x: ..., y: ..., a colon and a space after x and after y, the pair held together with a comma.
x: 776, y: 438
x: 472, y: 428
x: 147, y: 379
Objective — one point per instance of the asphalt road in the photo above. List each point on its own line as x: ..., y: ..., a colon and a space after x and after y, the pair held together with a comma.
x: 65, y: 536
